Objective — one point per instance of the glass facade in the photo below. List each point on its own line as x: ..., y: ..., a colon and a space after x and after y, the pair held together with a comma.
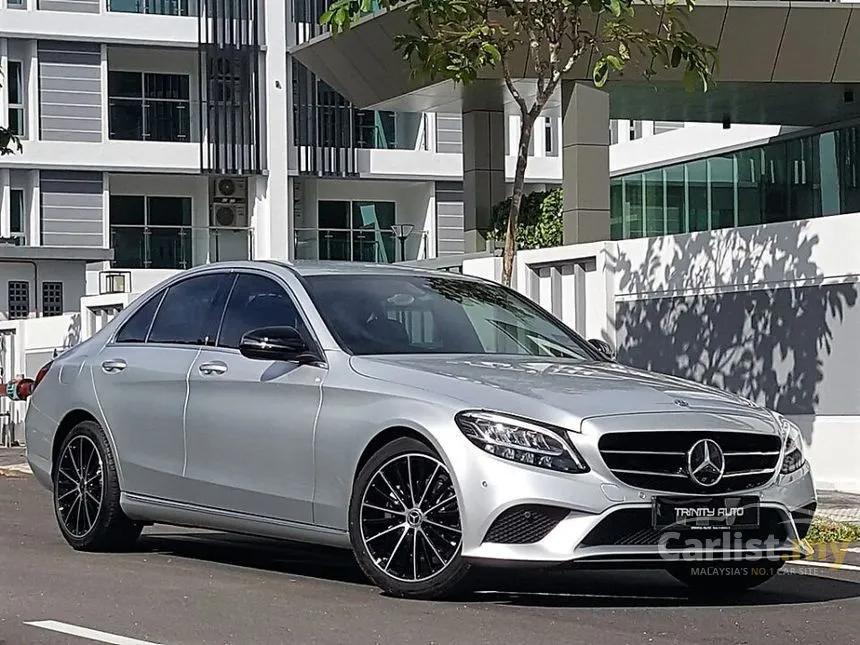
x: 786, y: 180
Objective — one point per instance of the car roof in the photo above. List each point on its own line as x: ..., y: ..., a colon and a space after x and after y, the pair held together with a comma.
x: 330, y: 267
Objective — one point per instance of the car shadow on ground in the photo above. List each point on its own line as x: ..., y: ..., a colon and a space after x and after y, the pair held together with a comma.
x: 587, y: 588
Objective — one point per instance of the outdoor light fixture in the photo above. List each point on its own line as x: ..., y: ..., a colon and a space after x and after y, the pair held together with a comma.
x: 402, y: 231
x: 115, y: 281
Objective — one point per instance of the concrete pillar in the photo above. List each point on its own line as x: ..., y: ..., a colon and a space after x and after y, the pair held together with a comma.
x: 585, y: 163
x: 483, y: 160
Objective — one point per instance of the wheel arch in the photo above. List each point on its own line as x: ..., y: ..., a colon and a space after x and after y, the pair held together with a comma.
x: 71, y: 419
x: 386, y: 436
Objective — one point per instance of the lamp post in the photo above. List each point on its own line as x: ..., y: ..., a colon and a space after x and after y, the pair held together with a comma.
x: 402, y: 231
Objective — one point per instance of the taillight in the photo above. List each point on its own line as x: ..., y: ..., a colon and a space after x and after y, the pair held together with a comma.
x: 41, y: 374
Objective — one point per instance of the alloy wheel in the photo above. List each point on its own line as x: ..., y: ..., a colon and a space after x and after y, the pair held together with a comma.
x: 410, y: 519
x: 80, y: 486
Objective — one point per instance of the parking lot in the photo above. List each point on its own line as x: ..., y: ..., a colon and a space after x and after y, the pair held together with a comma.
x: 185, y: 587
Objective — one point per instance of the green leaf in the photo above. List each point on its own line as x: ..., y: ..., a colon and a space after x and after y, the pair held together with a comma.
x: 691, y: 79
x: 616, y: 62
x: 492, y: 50
x: 601, y: 73
x: 615, y: 7
x: 676, y: 56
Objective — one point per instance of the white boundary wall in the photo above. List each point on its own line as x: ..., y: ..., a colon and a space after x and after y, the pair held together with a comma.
x: 771, y: 312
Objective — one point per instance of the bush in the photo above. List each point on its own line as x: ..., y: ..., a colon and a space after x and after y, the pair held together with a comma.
x: 540, y: 223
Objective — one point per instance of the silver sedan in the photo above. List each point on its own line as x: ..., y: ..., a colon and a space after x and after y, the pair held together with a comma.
x: 432, y: 423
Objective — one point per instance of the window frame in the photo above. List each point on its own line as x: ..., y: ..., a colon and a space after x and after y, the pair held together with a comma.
x: 133, y: 311
x: 145, y: 101
x: 53, y: 284
x: 28, y: 302
x: 225, y: 277
x: 186, y: 230
x: 17, y: 79
x: 17, y: 196
x: 313, y: 339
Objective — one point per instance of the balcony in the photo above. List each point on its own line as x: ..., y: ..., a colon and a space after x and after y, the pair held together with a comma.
x: 155, y: 7
x: 358, y: 245
x: 178, y: 247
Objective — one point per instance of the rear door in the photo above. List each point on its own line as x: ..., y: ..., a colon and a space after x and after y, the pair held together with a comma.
x: 141, y: 381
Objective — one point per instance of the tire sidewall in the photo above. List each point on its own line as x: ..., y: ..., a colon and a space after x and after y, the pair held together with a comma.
x: 442, y: 584
x: 110, y: 485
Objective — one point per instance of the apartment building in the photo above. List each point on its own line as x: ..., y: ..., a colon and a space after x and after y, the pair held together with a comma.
x: 164, y: 134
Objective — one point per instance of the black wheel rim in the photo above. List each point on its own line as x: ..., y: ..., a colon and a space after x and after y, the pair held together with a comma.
x: 80, y: 486
x: 410, y: 518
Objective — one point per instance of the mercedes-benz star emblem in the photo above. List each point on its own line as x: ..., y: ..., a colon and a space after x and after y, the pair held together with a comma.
x: 706, y: 462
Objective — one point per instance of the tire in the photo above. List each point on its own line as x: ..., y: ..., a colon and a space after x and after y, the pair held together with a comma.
x: 725, y: 577
x: 92, y: 521
x: 380, y: 524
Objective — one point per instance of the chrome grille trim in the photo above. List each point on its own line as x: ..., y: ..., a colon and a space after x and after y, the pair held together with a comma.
x: 657, y: 460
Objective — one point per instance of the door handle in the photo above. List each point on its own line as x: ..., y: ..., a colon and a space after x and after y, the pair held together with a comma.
x: 114, y: 365
x: 213, y: 368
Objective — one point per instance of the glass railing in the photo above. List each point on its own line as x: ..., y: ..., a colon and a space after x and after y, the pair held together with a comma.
x: 178, y: 247
x: 357, y: 245
x: 156, y: 7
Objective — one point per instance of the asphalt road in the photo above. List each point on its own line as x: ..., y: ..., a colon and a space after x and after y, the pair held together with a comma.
x: 183, y: 588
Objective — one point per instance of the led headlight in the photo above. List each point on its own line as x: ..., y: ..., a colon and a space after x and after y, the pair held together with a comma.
x: 521, y: 441
x: 793, y: 457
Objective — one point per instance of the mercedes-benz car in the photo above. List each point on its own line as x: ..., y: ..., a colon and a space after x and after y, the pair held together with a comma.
x: 431, y: 422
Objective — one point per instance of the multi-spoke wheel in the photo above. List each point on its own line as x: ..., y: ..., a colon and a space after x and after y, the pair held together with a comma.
x: 405, y: 522
x: 86, y: 493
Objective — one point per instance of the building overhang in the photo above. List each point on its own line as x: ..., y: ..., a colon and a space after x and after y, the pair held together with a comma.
x: 83, y: 254
x: 784, y: 62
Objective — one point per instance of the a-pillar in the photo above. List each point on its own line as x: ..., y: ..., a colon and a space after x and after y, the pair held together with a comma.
x: 483, y: 160
x: 585, y: 163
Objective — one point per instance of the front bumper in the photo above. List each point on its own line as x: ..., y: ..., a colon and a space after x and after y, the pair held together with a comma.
x: 514, y: 514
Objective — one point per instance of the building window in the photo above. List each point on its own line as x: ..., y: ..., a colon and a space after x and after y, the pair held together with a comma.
x: 19, y: 299
x: 786, y: 180
x: 151, y: 232
x: 159, y: 7
x: 149, y: 107
x: 17, y: 111
x: 16, y: 4
x: 354, y: 231
x: 17, y: 218
x: 52, y: 298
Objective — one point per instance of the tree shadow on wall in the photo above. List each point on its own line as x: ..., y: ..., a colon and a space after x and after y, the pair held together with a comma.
x: 744, y: 310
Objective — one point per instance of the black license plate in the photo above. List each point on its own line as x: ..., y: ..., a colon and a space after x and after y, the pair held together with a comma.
x: 706, y: 512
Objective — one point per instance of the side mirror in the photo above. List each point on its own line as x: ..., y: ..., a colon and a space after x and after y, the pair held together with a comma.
x: 603, y: 347
x: 276, y: 344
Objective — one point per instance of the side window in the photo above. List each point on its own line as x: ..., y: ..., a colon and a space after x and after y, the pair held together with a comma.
x: 188, y: 315
x: 134, y: 329
x: 257, y: 301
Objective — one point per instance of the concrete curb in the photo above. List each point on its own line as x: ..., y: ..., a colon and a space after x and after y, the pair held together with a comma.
x: 846, y: 515
x: 16, y: 470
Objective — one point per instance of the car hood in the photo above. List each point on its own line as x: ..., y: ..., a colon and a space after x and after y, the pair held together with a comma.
x: 555, y: 390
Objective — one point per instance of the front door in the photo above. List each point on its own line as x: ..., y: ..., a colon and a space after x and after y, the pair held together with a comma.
x: 141, y: 381
x: 250, y: 423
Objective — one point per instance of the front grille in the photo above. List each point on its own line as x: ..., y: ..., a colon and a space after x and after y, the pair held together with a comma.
x: 525, y: 524
x: 632, y: 527
x: 658, y: 460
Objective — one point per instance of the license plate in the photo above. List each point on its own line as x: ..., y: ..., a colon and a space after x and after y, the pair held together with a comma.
x: 705, y: 512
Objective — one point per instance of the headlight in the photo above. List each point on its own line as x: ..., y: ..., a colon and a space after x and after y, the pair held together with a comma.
x: 793, y: 457
x: 520, y: 441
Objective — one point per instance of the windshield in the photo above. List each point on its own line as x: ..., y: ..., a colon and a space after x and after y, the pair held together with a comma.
x: 404, y: 314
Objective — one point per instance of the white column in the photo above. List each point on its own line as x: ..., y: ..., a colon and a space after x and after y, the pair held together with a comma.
x: 103, y: 68
x: 34, y: 232
x: 5, y: 201
x: 33, y: 87
x: 4, y: 93
x: 277, y: 241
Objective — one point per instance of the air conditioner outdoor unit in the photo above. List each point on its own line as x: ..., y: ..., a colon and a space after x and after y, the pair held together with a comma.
x: 229, y: 216
x: 230, y: 189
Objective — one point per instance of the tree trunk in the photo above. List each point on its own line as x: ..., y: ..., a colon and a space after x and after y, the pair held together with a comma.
x: 526, y: 128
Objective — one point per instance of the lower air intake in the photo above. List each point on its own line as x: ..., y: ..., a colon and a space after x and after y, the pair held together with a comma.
x: 525, y: 524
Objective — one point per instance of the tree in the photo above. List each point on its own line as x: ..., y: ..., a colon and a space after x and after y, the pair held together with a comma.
x: 539, y: 224
x: 9, y: 143
x: 457, y: 39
